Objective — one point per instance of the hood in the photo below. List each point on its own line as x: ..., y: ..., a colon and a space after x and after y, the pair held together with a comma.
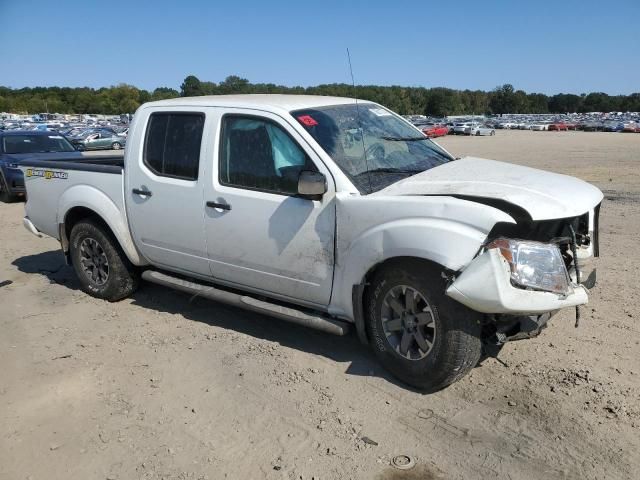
x: 20, y: 157
x: 543, y: 195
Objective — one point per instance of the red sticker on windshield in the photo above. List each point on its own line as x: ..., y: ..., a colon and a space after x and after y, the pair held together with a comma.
x: 307, y: 120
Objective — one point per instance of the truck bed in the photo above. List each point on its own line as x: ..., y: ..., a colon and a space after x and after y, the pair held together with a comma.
x: 54, y: 186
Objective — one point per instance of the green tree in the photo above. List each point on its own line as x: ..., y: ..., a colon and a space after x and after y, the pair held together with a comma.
x: 191, y: 87
x: 163, y: 93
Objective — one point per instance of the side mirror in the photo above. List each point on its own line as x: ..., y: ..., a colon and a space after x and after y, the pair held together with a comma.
x: 312, y: 185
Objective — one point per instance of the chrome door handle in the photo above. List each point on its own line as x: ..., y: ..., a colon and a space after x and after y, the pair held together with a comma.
x: 146, y: 193
x: 223, y: 206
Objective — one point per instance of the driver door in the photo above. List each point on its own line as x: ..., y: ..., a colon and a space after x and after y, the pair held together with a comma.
x: 260, y: 233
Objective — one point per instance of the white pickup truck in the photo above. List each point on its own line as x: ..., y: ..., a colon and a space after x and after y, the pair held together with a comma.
x: 329, y: 213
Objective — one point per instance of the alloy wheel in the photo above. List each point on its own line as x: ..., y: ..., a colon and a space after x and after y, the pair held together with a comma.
x: 408, y: 322
x: 94, y: 262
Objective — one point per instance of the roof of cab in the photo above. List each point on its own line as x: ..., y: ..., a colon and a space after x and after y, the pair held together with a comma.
x: 257, y: 101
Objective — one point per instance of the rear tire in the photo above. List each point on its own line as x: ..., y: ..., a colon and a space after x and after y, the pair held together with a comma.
x: 450, y: 332
x: 102, y: 268
x: 116, y: 146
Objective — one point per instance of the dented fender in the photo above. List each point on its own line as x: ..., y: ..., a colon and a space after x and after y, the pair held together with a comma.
x: 444, y: 230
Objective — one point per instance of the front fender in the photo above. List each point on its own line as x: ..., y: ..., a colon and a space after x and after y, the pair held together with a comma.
x: 445, y: 242
x: 111, y: 213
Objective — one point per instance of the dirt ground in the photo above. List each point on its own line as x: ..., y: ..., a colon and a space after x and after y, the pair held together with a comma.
x: 162, y: 386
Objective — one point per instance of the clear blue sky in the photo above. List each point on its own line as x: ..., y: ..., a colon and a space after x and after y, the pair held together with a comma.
x: 546, y: 46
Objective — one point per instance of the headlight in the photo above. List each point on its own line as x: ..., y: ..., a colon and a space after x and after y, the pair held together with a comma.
x: 13, y: 165
x: 534, y: 264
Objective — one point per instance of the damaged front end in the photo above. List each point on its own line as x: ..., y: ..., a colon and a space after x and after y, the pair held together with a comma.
x: 527, y: 271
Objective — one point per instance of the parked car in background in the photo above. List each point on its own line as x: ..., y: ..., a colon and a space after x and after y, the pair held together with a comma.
x: 432, y: 130
x: 478, y: 130
x: 460, y: 128
x: 18, y: 145
x: 539, y: 127
x: 99, y: 139
x: 558, y: 127
x: 613, y: 127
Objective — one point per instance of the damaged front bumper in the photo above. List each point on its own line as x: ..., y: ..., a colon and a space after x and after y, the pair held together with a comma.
x: 485, y: 286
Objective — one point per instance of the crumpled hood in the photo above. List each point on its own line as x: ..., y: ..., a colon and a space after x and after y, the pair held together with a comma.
x: 543, y: 195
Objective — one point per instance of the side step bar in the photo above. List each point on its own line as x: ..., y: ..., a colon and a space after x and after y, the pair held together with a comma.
x: 317, y: 322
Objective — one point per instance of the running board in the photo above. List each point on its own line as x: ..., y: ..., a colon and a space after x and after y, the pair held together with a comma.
x: 317, y: 322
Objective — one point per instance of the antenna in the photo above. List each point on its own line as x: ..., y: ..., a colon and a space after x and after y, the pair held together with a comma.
x: 355, y: 97
x: 353, y: 82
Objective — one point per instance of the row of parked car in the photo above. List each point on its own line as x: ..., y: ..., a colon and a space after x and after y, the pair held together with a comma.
x: 82, y: 136
x: 630, y: 127
x: 433, y: 129
x: 599, y: 122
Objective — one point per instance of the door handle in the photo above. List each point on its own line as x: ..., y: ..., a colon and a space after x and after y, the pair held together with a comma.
x: 223, y: 206
x: 138, y: 191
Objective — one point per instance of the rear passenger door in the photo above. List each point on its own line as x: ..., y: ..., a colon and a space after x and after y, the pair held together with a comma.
x: 163, y: 188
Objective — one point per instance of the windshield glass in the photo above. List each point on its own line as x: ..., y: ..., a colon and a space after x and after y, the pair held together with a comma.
x: 372, y: 145
x: 36, y: 144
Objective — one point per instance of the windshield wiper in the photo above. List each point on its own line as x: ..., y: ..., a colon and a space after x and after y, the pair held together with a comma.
x: 404, y: 139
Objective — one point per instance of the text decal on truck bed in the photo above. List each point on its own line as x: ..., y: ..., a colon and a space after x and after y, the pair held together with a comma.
x: 47, y: 174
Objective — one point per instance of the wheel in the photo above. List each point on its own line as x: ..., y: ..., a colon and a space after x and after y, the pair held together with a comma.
x: 420, y: 335
x: 116, y: 146
x: 478, y: 133
x: 493, y: 132
x: 100, y: 264
x: 5, y: 193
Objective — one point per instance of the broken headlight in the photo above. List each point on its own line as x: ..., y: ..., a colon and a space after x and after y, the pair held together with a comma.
x: 534, y: 265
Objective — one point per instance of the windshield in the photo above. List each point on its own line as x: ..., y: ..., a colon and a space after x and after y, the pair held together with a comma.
x: 36, y: 144
x: 372, y: 145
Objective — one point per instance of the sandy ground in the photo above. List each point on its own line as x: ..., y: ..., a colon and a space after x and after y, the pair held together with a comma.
x: 160, y: 386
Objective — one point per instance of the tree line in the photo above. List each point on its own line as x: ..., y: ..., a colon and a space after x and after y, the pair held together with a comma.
x: 436, y: 102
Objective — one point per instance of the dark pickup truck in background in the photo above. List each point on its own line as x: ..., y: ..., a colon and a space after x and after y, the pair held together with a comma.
x: 19, y: 145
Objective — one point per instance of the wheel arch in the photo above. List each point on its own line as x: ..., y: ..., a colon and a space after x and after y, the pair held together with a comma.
x: 360, y: 290
x: 78, y: 213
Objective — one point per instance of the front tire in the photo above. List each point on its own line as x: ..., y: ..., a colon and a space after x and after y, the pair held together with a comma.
x: 116, y: 146
x: 420, y: 335
x: 102, y: 268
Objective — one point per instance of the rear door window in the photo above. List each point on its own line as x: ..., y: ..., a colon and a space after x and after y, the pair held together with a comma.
x: 172, y: 146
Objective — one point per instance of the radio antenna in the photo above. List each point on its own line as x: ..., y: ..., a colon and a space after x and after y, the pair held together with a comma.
x: 355, y: 97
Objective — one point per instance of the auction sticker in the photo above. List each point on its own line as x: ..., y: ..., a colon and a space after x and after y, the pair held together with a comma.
x: 46, y: 174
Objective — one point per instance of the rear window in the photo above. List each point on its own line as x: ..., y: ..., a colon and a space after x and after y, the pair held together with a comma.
x: 172, y: 146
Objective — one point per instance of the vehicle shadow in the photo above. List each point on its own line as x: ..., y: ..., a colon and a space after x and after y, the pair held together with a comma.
x: 345, y: 349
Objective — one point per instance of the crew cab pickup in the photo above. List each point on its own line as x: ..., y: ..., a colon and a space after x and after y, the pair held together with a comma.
x: 331, y: 213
